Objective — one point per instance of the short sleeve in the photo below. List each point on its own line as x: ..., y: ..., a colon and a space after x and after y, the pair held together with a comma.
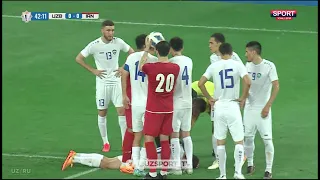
x: 242, y: 69
x: 123, y: 45
x: 208, y: 73
x: 87, y: 50
x: 273, y: 75
x: 146, y: 68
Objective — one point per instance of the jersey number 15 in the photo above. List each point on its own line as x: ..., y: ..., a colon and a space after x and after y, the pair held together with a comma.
x: 224, y: 76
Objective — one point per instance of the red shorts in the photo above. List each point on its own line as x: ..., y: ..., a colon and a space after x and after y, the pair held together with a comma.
x: 156, y: 124
x: 128, y: 114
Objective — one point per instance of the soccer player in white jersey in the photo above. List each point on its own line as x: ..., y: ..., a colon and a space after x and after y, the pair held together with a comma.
x: 226, y: 76
x: 139, y: 90
x: 182, y: 104
x: 215, y: 41
x: 106, y: 50
x: 257, y: 111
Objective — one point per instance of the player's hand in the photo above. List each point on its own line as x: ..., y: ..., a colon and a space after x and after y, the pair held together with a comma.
x: 211, y: 101
x: 242, y: 102
x: 148, y: 43
x: 126, y: 102
x: 265, y: 111
x: 99, y: 73
x: 118, y: 72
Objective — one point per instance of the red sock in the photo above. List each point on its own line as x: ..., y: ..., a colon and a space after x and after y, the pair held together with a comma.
x: 165, y: 154
x: 127, y: 146
x: 151, y: 156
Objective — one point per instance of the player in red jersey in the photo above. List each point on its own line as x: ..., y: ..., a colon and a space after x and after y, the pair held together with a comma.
x: 162, y: 77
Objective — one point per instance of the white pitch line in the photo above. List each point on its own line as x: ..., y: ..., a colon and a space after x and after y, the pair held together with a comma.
x: 82, y: 173
x: 51, y: 157
x: 32, y: 156
x: 189, y: 26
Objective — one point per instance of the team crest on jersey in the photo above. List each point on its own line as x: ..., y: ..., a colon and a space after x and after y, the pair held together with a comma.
x: 114, y: 52
x: 259, y: 75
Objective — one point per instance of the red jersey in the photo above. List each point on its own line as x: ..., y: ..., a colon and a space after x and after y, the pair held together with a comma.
x: 161, y: 83
x: 128, y: 88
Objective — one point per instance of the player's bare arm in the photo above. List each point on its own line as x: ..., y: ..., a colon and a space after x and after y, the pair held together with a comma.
x: 125, y: 98
x: 144, y: 58
x: 130, y: 51
x: 80, y: 59
x: 204, y: 90
x: 246, y: 83
x: 275, y: 90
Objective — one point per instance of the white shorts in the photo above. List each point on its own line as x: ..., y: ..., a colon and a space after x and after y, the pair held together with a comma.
x: 253, y: 121
x: 181, y: 120
x: 137, y: 118
x: 106, y: 93
x: 227, y: 116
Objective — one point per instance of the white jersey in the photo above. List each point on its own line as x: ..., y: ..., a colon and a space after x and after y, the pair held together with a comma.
x: 106, y: 56
x: 262, y: 76
x: 226, y: 76
x: 182, y: 97
x: 214, y: 57
x: 138, y: 80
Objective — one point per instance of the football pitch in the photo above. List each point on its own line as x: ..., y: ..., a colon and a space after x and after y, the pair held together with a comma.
x: 49, y: 100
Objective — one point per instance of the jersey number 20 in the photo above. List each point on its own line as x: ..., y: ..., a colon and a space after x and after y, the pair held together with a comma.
x: 224, y: 76
x: 168, y: 85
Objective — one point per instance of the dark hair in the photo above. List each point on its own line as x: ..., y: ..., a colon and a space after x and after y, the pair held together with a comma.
x: 225, y: 48
x: 255, y: 45
x: 218, y: 37
x: 176, y: 43
x: 199, y: 104
x: 140, y: 41
x: 163, y: 48
x: 107, y: 23
x: 195, y: 162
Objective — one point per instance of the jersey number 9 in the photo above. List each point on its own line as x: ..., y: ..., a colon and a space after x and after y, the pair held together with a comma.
x: 169, y: 80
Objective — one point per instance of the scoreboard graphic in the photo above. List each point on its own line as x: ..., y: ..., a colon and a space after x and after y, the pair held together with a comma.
x: 44, y: 16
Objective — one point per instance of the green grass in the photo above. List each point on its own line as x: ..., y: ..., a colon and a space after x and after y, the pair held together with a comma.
x: 49, y: 100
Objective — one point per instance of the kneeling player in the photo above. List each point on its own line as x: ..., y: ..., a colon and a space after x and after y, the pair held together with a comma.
x: 199, y: 105
x: 103, y: 162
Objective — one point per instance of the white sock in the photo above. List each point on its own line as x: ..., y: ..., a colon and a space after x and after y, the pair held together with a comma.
x: 249, y: 149
x: 238, y: 158
x: 123, y: 125
x: 181, y: 151
x: 153, y: 174
x: 163, y: 173
x: 92, y: 160
x: 214, y: 145
x: 188, y: 147
x: 143, y: 159
x: 135, y: 156
x: 222, y: 157
x: 102, y: 124
x: 269, y: 150
x: 175, y: 152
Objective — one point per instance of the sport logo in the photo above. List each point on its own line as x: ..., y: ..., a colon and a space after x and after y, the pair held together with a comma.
x: 283, y: 14
x: 169, y: 164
